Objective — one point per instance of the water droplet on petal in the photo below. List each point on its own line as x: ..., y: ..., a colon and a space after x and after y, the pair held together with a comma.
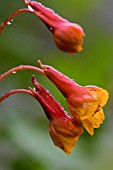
x: 34, y: 88
x: 14, y: 72
x: 86, y: 104
x: 51, y: 29
x: 30, y: 8
x: 86, y: 96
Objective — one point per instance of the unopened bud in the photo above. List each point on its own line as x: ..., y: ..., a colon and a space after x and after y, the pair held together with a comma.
x: 68, y: 36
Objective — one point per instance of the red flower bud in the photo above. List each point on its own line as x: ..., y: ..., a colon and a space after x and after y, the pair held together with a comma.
x: 68, y: 36
x: 63, y: 128
x: 86, y: 102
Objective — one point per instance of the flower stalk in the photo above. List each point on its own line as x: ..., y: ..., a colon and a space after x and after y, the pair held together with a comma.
x: 11, y: 17
x: 11, y: 92
x: 19, y: 68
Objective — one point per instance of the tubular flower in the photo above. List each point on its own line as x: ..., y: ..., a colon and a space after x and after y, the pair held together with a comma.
x: 84, y: 102
x: 67, y: 36
x: 63, y: 128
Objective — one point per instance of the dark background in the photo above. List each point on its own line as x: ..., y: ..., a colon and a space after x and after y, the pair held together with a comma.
x: 24, y: 140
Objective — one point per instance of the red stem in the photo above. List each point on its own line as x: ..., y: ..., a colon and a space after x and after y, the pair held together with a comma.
x: 14, y: 92
x: 3, y: 25
x: 21, y: 67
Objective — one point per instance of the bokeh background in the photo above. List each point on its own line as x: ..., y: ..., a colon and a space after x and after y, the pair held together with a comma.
x: 24, y: 140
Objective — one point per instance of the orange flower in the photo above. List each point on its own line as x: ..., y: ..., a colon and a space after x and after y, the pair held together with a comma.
x: 68, y: 36
x: 85, y: 103
x: 63, y: 128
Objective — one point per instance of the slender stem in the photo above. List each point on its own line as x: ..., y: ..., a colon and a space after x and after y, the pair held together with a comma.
x: 21, y: 67
x: 3, y: 97
x: 3, y: 25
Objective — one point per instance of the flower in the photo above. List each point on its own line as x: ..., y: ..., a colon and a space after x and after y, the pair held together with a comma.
x: 84, y: 102
x: 67, y: 36
x: 63, y: 128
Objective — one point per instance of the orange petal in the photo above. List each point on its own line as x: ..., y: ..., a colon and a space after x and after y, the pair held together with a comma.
x: 97, y: 118
x: 88, y: 126
x: 101, y: 94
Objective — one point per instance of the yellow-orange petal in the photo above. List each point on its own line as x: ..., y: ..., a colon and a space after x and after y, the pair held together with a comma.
x: 102, y: 95
x: 66, y: 144
x: 88, y: 126
x: 65, y: 134
x: 84, y: 110
x: 94, y: 121
x: 97, y: 118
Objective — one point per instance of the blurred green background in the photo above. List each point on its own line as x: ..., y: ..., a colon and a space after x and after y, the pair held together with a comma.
x: 24, y: 140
